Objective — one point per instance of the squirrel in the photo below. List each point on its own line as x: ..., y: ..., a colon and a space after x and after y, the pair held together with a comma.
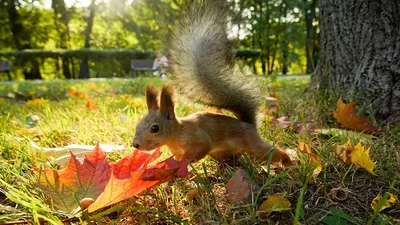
x: 203, y: 67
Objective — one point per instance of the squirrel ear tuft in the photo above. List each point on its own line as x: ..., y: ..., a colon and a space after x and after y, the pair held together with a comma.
x: 167, y: 102
x: 152, y: 97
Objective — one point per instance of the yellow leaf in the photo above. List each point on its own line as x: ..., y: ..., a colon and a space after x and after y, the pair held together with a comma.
x: 389, y: 203
x: 37, y: 102
x: 192, y: 194
x: 361, y: 157
x: 356, y: 155
x: 275, y: 203
x: 315, y: 162
x: 2, y: 100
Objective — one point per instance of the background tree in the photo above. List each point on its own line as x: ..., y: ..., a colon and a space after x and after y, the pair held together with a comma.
x: 84, y: 68
x: 61, y: 19
x: 26, y: 37
x: 275, y: 28
x: 309, y: 12
x: 360, y: 46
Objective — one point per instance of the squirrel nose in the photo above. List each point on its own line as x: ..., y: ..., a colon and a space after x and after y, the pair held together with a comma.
x: 135, y: 144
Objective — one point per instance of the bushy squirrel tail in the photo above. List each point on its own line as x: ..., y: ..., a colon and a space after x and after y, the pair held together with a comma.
x: 203, y: 61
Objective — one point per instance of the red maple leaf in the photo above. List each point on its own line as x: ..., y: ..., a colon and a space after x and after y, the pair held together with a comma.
x: 94, y: 178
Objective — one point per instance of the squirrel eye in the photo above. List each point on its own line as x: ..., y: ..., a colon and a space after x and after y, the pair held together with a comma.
x: 155, y: 128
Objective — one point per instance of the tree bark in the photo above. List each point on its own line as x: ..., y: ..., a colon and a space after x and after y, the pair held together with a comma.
x: 360, y: 53
x: 84, y: 68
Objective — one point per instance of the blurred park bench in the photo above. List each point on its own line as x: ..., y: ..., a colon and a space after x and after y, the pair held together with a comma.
x: 141, y: 65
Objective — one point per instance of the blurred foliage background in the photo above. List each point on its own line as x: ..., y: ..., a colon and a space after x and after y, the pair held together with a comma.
x: 69, y: 39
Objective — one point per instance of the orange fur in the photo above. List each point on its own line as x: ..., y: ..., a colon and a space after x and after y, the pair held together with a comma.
x: 200, y: 134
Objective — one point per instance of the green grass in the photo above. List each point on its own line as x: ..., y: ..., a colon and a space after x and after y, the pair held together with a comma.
x: 66, y: 119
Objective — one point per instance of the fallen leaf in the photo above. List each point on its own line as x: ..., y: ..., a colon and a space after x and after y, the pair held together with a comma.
x: 271, y: 170
x: 240, y: 188
x: 293, y: 154
x: 78, y: 180
x: 62, y: 155
x: 73, y: 92
x: 315, y: 162
x: 304, y: 148
x: 285, y: 123
x: 282, y: 122
x: 387, y: 204
x: 94, y: 178
x: 356, y: 155
x: 122, y: 186
x: 275, y: 203
x: 2, y: 100
x: 346, y: 134
x: 308, y: 126
x: 346, y: 115
x: 37, y: 102
x: 192, y: 194
x: 90, y: 104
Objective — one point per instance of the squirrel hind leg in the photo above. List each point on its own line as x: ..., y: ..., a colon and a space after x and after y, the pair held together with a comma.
x: 262, y: 150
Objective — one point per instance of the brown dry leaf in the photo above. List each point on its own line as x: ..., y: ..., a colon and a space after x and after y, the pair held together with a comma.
x: 240, y: 188
x: 285, y: 123
x: 357, y: 155
x: 346, y: 115
x: 308, y: 126
x: 282, y: 122
x: 293, y: 154
x: 315, y: 162
x: 389, y: 202
x: 275, y: 203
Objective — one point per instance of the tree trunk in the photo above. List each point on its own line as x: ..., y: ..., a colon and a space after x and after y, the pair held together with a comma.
x: 310, y: 14
x: 360, y: 53
x: 284, y: 44
x: 31, y: 72
x: 84, y: 68
x: 62, y: 21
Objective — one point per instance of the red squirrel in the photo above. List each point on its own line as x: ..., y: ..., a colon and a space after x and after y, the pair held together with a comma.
x: 203, y: 70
